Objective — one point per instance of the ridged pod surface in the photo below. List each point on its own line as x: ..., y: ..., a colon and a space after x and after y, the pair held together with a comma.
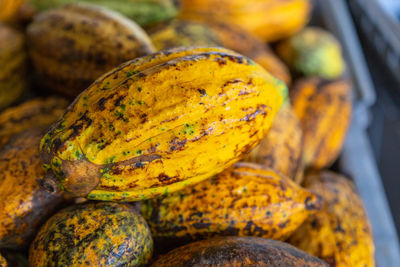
x: 13, y: 78
x: 247, y: 200
x: 35, y: 112
x: 71, y: 46
x: 313, y: 51
x: 268, y: 19
x: 3, y: 262
x: 24, y: 205
x: 325, y: 111
x: 143, y: 12
x: 159, y: 123
x: 340, y: 233
x: 281, y: 150
x: 93, y: 234
x: 189, y: 33
x: 238, y: 252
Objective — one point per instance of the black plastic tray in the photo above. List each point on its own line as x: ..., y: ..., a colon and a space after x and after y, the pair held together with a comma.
x: 383, y: 31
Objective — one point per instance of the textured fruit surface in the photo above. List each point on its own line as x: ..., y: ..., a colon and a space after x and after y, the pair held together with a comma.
x: 143, y: 12
x: 71, y: 46
x: 189, y: 33
x: 324, y: 109
x: 13, y: 78
x: 3, y: 262
x: 247, y: 200
x: 9, y: 10
x: 238, y: 251
x: 268, y: 19
x: 282, y: 148
x: 24, y: 205
x: 313, y: 51
x: 35, y: 112
x: 340, y: 233
x: 93, y: 234
x: 147, y: 127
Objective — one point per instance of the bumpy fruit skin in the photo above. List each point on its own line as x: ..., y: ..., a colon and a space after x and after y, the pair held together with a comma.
x: 247, y: 200
x: 93, y: 234
x: 13, y: 78
x: 24, y: 205
x: 340, y: 233
x: 189, y: 33
x: 313, y: 51
x: 281, y: 150
x: 71, y: 46
x: 143, y: 12
x: 324, y: 109
x: 3, y: 262
x: 270, y: 20
x: 32, y: 113
x: 237, y: 251
x: 147, y: 128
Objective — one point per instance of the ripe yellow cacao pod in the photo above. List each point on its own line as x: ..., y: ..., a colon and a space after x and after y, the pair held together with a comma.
x: 71, y: 46
x: 159, y: 123
x: 13, y: 78
x: 281, y: 150
x: 190, y: 33
x: 93, y: 234
x: 340, y: 233
x: 268, y: 19
x: 247, y: 200
x: 35, y: 112
x: 313, y: 51
x: 3, y: 262
x: 324, y: 109
x: 9, y: 9
x: 24, y: 205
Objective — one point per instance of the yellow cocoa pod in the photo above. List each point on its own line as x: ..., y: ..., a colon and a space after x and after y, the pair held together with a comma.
x: 313, y: 51
x: 71, y: 46
x: 9, y: 9
x: 340, y: 233
x: 282, y: 148
x: 24, y: 205
x: 13, y: 78
x: 159, y: 123
x: 36, y: 112
x: 3, y: 262
x: 190, y: 33
x: 268, y: 19
x: 324, y: 109
x: 247, y: 200
x: 93, y: 234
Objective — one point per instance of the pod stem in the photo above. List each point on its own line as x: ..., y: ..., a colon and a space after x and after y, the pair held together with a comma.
x: 49, y: 183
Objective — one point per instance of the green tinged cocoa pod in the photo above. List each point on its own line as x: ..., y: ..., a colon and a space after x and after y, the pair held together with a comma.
x: 71, y: 46
x: 313, y: 51
x: 93, y: 234
x: 24, y: 205
x: 13, y: 78
x: 143, y: 12
x: 237, y: 252
x: 147, y: 127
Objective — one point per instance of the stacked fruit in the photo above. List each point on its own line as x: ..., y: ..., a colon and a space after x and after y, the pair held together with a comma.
x: 188, y: 122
